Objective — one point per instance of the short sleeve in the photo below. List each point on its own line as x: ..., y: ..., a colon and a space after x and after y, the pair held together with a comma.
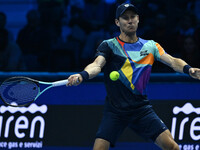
x: 103, y: 50
x: 159, y: 51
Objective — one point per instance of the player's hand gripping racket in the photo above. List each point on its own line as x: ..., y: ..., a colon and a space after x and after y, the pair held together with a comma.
x: 22, y: 91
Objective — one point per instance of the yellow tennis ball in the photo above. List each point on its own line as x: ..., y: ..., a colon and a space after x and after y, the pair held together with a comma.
x: 114, y: 75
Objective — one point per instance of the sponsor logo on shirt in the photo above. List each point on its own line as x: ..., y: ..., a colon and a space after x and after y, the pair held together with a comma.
x: 144, y: 53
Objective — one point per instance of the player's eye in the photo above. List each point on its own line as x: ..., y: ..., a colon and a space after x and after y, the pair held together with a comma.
x: 133, y: 16
x: 125, y: 17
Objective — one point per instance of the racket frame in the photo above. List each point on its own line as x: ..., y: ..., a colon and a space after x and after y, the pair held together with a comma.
x: 37, y: 82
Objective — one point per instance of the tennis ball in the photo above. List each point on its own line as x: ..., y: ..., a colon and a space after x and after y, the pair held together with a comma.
x: 114, y: 75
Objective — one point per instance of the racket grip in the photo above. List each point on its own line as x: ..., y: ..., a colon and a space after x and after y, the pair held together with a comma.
x: 60, y: 83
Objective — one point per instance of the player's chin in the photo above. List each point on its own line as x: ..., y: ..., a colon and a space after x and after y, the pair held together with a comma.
x: 130, y: 33
x: 131, y: 30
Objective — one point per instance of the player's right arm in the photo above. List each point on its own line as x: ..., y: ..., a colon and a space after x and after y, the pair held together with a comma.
x: 92, y: 70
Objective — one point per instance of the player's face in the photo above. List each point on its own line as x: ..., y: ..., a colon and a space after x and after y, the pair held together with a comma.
x: 128, y: 22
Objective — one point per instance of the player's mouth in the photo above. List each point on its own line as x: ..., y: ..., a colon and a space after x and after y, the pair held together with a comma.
x: 131, y: 27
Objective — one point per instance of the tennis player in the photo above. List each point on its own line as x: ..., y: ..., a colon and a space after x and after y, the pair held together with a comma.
x: 126, y: 103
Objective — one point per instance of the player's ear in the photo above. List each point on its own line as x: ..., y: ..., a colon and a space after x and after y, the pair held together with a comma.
x: 117, y: 22
x: 138, y: 19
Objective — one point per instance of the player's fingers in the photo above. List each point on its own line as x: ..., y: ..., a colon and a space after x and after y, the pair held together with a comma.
x: 70, y: 81
x: 76, y: 81
x: 193, y: 71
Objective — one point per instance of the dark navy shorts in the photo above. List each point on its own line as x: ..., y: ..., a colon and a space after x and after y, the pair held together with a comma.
x: 143, y: 121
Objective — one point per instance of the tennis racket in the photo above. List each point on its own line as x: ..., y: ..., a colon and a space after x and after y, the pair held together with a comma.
x: 21, y: 91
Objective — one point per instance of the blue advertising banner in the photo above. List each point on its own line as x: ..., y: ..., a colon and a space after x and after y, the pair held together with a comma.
x: 68, y: 117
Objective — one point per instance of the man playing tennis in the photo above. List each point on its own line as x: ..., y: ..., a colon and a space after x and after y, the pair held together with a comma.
x: 126, y: 102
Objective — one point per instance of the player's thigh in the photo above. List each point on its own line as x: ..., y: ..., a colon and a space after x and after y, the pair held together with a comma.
x: 166, y: 141
x: 148, y: 125
x: 111, y: 127
x: 101, y: 144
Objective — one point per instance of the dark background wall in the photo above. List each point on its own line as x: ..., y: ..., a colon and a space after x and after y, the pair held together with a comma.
x: 62, y: 35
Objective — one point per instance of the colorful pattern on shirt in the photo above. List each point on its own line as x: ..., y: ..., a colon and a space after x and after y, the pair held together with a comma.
x: 140, y: 56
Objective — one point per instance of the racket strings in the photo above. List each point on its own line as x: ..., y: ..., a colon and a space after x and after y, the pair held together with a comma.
x: 20, y: 91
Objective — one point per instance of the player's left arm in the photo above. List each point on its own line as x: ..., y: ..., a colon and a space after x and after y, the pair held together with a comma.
x: 180, y: 65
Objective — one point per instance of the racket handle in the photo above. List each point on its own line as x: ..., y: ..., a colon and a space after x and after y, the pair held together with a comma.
x: 60, y: 83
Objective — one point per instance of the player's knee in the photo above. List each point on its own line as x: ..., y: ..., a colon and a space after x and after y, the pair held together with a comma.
x: 173, y: 146
x: 176, y: 147
x: 101, y: 144
x: 100, y: 147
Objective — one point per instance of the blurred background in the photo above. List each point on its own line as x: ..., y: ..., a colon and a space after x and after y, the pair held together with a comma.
x: 48, y: 40
x: 62, y: 35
